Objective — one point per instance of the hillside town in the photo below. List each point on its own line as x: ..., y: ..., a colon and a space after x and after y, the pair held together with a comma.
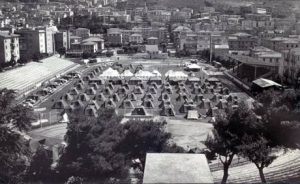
x: 149, y: 91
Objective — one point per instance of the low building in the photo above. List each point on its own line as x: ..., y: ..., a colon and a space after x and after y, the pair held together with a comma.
x: 221, y: 50
x: 136, y: 38
x: 82, y: 32
x: 262, y: 84
x: 152, y: 41
x: 154, y: 53
x: 98, y: 40
x: 176, y: 168
x: 89, y: 47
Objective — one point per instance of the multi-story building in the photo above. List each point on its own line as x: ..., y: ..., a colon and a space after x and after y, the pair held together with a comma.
x: 32, y: 42
x: 292, y: 66
x: 9, y: 47
x: 145, y: 31
x: 241, y: 42
x: 281, y: 44
x: 114, y: 36
x: 159, y: 15
x: 197, y: 41
x: 62, y: 39
x: 49, y: 39
x: 258, y: 21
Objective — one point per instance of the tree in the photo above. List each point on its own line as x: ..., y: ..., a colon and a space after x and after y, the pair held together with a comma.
x: 74, y: 180
x: 14, y: 149
x: 22, y: 61
x: 281, y: 116
x: 142, y: 137
x: 62, y: 51
x: 102, y: 148
x: 227, y: 132
x: 258, y: 151
x: 223, y: 143
x: 36, y: 57
x: 86, y: 55
x: 40, y: 166
x: 90, y: 152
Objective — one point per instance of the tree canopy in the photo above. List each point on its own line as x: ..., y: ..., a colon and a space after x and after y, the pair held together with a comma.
x: 14, y: 148
x: 102, y: 148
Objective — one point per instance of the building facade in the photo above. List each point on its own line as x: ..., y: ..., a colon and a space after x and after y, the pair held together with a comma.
x: 9, y: 47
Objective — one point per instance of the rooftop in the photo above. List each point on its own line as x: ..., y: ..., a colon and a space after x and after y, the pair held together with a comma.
x: 264, y: 83
x: 7, y: 35
x: 176, y: 168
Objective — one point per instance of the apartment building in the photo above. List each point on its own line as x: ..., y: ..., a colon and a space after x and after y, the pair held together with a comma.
x: 9, y: 47
x: 242, y: 42
x: 31, y: 42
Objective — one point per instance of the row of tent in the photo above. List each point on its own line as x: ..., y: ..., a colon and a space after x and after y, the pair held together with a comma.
x: 111, y: 73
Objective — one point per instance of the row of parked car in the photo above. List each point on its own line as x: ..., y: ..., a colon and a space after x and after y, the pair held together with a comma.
x: 48, y: 88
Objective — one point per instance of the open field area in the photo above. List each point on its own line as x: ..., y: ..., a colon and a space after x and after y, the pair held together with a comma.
x: 33, y: 73
x: 188, y: 134
x: 53, y: 134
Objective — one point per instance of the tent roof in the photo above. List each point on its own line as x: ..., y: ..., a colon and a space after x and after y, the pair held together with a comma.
x: 142, y: 73
x: 110, y: 73
x: 172, y: 73
x: 156, y: 72
x: 264, y: 83
x: 193, y: 66
x: 126, y: 73
x: 192, y: 114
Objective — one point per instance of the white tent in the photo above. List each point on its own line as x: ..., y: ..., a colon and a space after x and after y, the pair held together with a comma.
x: 109, y: 73
x: 168, y: 73
x: 156, y: 73
x: 193, y: 67
x: 176, y: 75
x: 65, y: 118
x: 126, y: 73
x: 144, y: 74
